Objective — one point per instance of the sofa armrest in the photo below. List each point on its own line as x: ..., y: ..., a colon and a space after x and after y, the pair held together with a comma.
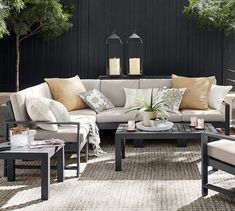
x: 8, y: 123
x: 209, y: 137
x: 226, y: 111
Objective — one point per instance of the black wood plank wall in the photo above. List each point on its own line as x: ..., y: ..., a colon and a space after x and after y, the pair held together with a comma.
x: 172, y: 43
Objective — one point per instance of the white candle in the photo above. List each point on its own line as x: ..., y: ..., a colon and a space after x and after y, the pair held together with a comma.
x: 200, y: 123
x: 134, y: 66
x: 114, y: 66
x: 194, y: 121
x: 131, y: 124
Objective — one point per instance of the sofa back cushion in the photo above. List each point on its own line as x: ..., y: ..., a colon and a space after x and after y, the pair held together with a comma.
x: 154, y: 83
x: 114, y: 90
x: 18, y: 99
x: 91, y: 84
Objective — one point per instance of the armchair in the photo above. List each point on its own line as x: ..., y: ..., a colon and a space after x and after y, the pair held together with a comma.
x: 218, y: 151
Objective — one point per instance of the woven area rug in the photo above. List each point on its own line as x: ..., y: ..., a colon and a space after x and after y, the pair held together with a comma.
x: 158, y: 177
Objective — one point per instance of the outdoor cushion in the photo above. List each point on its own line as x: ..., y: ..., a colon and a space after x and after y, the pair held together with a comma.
x: 209, y: 115
x: 67, y: 133
x: 114, y: 90
x: 217, y: 95
x: 117, y: 114
x: 173, y: 117
x: 86, y: 111
x: 223, y: 150
x: 66, y: 91
x: 154, y: 83
x: 90, y: 84
x: 18, y: 99
x: 197, y: 93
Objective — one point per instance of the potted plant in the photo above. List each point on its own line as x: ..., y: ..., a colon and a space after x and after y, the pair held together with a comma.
x: 150, y: 110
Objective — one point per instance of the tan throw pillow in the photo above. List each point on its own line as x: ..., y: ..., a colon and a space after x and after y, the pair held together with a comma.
x: 197, y: 92
x: 66, y: 91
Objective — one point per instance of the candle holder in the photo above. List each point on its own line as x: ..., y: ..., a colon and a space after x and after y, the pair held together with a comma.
x: 134, y: 55
x: 114, y: 56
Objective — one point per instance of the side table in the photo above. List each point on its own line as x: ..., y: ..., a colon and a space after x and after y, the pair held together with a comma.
x: 43, y: 154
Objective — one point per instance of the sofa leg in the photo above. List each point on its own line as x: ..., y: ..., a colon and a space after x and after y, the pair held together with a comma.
x: 86, y: 152
x: 138, y: 143
x: 181, y: 142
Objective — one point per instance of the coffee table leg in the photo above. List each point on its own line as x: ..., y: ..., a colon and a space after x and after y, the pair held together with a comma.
x: 60, y: 165
x: 123, y: 142
x: 182, y: 143
x: 45, y: 177
x: 118, y: 152
x: 11, y: 170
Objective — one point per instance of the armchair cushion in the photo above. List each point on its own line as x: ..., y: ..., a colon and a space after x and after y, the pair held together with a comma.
x: 223, y: 150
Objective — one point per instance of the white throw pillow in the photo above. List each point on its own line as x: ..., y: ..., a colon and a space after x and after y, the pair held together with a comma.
x: 59, y: 110
x: 39, y: 111
x: 172, y: 97
x: 217, y: 95
x: 137, y: 97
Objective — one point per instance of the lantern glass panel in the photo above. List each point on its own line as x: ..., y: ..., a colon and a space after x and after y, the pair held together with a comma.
x: 114, y: 58
x: 134, y: 55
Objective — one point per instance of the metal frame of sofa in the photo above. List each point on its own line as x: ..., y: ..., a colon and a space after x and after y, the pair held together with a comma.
x: 215, y: 163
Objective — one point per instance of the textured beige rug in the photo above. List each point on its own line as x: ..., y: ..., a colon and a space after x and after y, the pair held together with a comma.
x: 158, y: 177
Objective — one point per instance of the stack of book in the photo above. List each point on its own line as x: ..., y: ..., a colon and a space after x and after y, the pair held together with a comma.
x: 35, y: 144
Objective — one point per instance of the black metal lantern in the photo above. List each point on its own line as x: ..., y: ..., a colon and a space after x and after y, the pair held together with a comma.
x: 134, y: 55
x: 114, y: 57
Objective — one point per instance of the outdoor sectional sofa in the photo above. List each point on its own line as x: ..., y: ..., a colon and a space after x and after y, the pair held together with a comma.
x: 113, y: 89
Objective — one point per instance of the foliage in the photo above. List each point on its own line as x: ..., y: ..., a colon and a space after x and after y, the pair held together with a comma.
x: 219, y: 14
x: 46, y: 17
x: 151, y: 106
x: 5, y: 7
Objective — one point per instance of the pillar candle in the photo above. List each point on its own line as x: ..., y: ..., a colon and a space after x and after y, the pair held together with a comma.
x: 200, y: 123
x: 194, y: 121
x: 134, y: 66
x: 114, y: 66
x: 131, y: 124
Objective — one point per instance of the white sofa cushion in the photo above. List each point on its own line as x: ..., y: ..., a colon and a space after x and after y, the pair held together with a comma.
x: 38, y: 110
x: 154, y: 83
x: 86, y: 111
x: 117, y: 114
x: 209, y: 115
x: 67, y: 133
x: 223, y: 150
x: 90, y: 84
x: 114, y: 90
x: 173, y: 117
x: 18, y: 99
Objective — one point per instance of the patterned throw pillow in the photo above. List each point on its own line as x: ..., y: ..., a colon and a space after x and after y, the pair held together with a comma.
x: 96, y: 100
x: 172, y: 97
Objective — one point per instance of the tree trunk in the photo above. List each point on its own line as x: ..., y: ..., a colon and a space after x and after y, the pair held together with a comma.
x: 17, y: 63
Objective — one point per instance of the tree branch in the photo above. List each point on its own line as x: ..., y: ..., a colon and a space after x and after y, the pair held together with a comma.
x: 35, y: 31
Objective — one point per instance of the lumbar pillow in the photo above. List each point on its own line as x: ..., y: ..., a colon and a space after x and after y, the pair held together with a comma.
x: 197, y: 93
x: 217, y: 95
x: 96, y: 100
x: 39, y: 111
x: 137, y: 97
x: 172, y: 97
x: 66, y: 91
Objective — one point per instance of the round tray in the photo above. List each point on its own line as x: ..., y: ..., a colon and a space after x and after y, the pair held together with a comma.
x: 167, y: 126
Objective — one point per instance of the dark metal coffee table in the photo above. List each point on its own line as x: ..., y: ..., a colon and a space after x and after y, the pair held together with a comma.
x: 43, y: 155
x: 180, y: 131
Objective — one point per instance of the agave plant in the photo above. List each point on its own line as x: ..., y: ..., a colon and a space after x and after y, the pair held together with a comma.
x: 151, y: 106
